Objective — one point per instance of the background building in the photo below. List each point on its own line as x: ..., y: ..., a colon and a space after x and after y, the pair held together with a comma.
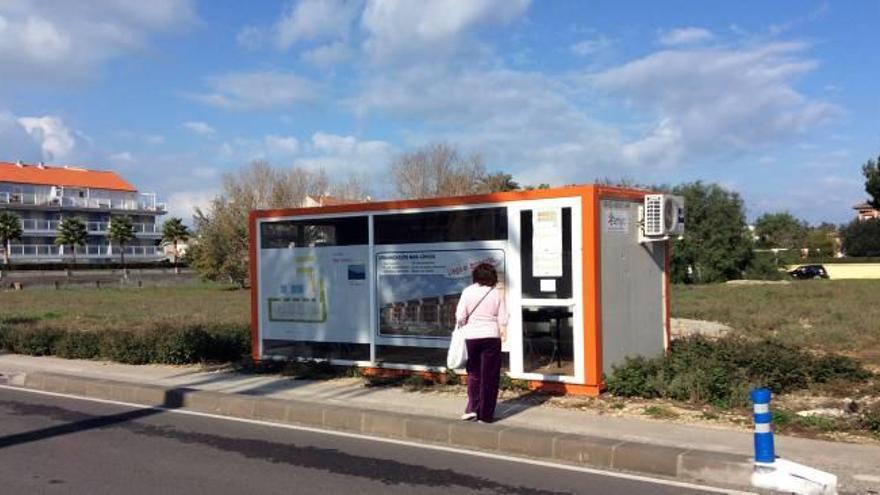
x: 864, y: 211
x: 42, y: 196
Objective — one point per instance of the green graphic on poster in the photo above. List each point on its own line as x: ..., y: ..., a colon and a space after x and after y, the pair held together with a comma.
x: 304, y: 299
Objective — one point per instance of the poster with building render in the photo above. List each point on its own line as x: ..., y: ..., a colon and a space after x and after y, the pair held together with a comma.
x: 417, y: 291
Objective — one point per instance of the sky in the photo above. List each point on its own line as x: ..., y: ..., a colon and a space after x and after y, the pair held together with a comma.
x: 778, y: 100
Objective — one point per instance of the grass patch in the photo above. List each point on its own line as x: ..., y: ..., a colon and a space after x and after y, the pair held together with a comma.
x: 660, y: 412
x: 168, y: 325
x: 818, y: 423
x: 829, y: 315
x: 126, y: 309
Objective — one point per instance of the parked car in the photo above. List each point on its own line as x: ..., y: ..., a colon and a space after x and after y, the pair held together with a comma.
x: 805, y: 272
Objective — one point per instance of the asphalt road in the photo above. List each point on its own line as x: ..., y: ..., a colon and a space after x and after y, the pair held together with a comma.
x: 62, y: 445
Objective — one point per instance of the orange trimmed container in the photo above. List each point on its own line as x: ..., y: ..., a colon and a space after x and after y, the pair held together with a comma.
x: 375, y: 284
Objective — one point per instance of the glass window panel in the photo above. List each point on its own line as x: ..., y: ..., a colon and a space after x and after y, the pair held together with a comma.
x: 347, y: 231
x: 316, y: 350
x: 481, y: 224
x: 548, y: 340
x: 531, y: 285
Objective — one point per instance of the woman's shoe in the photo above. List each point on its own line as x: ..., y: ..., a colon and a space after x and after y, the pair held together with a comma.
x: 469, y: 416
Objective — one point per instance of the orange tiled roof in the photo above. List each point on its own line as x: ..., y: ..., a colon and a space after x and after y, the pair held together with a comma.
x: 62, y: 176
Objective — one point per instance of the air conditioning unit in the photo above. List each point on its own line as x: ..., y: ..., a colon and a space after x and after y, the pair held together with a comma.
x: 662, y: 217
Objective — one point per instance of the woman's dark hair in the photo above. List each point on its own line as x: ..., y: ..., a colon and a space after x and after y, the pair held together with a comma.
x: 485, y: 274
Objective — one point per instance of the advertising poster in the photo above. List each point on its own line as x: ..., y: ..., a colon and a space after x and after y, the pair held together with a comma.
x: 317, y: 294
x: 417, y: 291
x: 547, y: 242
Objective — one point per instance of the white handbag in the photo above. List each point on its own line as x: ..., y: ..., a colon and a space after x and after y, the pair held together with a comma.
x: 456, y: 358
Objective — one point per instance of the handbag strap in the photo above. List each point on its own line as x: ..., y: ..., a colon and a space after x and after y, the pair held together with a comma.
x: 469, y: 313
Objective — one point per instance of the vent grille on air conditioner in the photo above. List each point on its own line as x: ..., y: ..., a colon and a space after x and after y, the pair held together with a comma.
x: 654, y: 215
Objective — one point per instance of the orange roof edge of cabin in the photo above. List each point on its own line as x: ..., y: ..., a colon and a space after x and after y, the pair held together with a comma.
x: 45, y: 175
x: 498, y: 197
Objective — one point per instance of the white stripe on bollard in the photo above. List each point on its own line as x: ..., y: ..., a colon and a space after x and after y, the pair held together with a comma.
x: 762, y: 427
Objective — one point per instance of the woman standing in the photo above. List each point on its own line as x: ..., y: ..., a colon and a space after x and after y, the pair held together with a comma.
x: 482, y: 315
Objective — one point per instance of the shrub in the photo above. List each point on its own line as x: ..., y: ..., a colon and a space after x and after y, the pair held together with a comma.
x: 179, y: 345
x: 508, y: 383
x: 126, y: 347
x: 870, y: 419
x: 763, y: 267
x: 78, y: 345
x: 633, y: 378
x: 227, y: 343
x: 451, y: 378
x: 5, y: 338
x: 722, y: 372
x: 34, y: 342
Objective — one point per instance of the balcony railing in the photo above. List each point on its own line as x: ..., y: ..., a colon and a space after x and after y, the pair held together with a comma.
x: 34, y: 251
x: 147, y: 228
x: 97, y: 227
x: 38, y: 251
x: 46, y: 226
x: 31, y: 226
x: 145, y: 202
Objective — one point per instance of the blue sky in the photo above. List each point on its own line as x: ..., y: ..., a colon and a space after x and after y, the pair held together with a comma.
x: 776, y: 100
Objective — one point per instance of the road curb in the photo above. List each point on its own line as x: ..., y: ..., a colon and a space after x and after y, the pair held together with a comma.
x: 596, y: 452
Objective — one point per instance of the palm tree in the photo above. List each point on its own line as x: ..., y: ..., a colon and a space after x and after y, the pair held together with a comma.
x: 72, y: 232
x: 10, y: 230
x: 121, y: 233
x: 174, y: 231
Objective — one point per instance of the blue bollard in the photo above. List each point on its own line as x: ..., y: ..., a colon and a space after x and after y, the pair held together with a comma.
x: 764, y: 450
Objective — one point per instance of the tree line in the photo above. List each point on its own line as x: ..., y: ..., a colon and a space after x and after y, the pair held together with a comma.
x: 718, y: 244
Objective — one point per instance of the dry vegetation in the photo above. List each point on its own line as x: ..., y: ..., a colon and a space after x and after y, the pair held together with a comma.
x: 839, y: 315
x: 125, y: 309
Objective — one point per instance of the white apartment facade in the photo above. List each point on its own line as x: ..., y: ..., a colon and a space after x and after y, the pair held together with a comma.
x: 42, y: 196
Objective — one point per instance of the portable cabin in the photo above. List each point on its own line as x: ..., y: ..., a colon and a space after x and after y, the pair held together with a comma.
x: 585, y: 270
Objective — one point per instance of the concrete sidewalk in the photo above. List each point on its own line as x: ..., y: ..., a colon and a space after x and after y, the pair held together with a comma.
x: 686, y: 452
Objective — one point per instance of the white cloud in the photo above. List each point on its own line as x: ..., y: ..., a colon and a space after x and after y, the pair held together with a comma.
x: 256, y: 90
x: 685, y: 36
x: 182, y: 203
x: 56, y: 140
x: 328, y: 55
x: 717, y: 100
x: 56, y: 40
x: 333, y: 143
x: 310, y: 20
x: 402, y: 29
x: 590, y: 47
x: 346, y: 154
x: 251, y: 37
x: 524, y: 122
x: 281, y: 145
x: 123, y: 158
x: 15, y: 142
x: 200, y: 128
x: 205, y: 172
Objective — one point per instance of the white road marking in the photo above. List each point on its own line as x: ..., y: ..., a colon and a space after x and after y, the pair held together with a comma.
x: 488, y: 455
